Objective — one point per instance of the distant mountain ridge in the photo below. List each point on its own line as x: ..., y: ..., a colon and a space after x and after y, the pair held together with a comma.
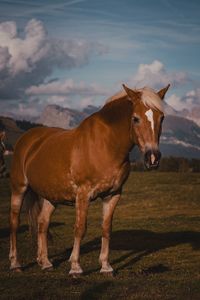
x: 13, y: 132
x: 180, y: 136
x: 193, y: 114
x: 57, y: 116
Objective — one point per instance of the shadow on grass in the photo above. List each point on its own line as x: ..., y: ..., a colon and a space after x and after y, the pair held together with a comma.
x: 137, y: 243
x: 96, y: 290
x: 5, y: 232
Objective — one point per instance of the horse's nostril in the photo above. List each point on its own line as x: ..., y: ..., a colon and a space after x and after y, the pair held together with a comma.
x: 151, y: 159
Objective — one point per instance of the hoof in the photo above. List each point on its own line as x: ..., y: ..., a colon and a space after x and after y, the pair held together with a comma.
x: 48, y: 269
x: 108, y: 274
x: 75, y: 275
x: 44, y: 266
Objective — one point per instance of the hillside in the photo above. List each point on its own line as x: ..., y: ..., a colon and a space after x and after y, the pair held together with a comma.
x: 180, y: 136
x: 13, y: 132
x: 14, y: 129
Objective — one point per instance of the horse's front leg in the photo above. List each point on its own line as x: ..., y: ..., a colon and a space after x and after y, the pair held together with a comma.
x: 82, y: 202
x: 109, y: 205
x: 43, y: 224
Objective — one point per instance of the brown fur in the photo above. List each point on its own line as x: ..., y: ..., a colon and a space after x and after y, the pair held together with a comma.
x: 79, y: 165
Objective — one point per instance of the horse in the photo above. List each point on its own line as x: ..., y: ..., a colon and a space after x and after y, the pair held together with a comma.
x: 79, y: 165
x: 3, y: 171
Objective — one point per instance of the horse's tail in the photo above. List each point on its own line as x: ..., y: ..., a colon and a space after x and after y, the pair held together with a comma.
x: 33, y: 205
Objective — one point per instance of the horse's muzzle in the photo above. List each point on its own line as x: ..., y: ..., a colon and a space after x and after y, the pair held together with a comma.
x: 152, y: 159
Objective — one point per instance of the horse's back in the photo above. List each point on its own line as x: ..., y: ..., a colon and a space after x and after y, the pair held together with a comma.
x: 55, y: 162
x: 32, y: 139
x: 36, y: 155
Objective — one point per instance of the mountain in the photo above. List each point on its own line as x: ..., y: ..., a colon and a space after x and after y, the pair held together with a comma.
x: 57, y: 116
x: 193, y: 114
x: 90, y: 109
x: 180, y: 136
x: 14, y: 129
x: 13, y: 132
x: 169, y: 110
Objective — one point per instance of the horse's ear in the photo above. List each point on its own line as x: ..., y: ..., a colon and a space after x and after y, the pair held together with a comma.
x: 2, y: 135
x: 133, y: 95
x: 162, y: 92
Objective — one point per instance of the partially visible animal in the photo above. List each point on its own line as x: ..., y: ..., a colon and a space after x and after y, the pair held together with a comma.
x: 3, y: 171
x: 77, y: 166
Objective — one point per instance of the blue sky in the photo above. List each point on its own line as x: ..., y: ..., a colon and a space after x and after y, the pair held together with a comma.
x: 78, y: 52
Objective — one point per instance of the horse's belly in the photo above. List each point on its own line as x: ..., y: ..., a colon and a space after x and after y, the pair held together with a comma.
x: 51, y: 183
x: 53, y: 190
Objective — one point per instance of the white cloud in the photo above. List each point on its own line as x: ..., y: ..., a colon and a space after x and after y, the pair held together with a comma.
x: 66, y: 87
x: 191, y: 93
x: 68, y: 93
x: 57, y: 99
x: 28, y: 59
x: 26, y: 110
x: 4, y: 58
x: 86, y: 101
x: 188, y: 101
x: 24, y: 52
x: 193, y: 96
x: 155, y: 75
x: 175, y: 101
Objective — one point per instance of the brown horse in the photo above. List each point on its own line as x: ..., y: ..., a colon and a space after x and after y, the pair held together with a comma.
x: 79, y: 165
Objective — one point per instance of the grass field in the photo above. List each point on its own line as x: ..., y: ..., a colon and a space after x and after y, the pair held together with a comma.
x: 155, y: 247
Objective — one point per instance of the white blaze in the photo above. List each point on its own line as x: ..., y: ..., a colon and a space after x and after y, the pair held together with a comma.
x: 149, y: 115
x: 153, y: 158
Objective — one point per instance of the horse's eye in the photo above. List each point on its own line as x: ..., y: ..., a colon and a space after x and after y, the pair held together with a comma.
x: 136, y: 120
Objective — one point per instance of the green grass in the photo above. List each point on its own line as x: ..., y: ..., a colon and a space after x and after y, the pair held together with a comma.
x: 155, y: 246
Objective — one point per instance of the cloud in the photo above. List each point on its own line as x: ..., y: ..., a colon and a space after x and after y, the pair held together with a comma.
x: 4, y: 58
x: 193, y: 96
x: 188, y: 101
x: 155, y: 75
x: 28, y: 58
x: 66, y: 87
x: 68, y: 93
x: 175, y: 101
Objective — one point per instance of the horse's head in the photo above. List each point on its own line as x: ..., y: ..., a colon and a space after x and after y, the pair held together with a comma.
x: 147, y: 121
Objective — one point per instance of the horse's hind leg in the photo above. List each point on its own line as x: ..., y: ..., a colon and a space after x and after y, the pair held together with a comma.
x: 43, y: 224
x: 16, y: 204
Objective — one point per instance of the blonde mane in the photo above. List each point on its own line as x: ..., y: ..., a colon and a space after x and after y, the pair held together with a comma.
x: 149, y: 98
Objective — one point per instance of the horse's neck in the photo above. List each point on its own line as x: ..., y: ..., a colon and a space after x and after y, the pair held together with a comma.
x: 117, y: 116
